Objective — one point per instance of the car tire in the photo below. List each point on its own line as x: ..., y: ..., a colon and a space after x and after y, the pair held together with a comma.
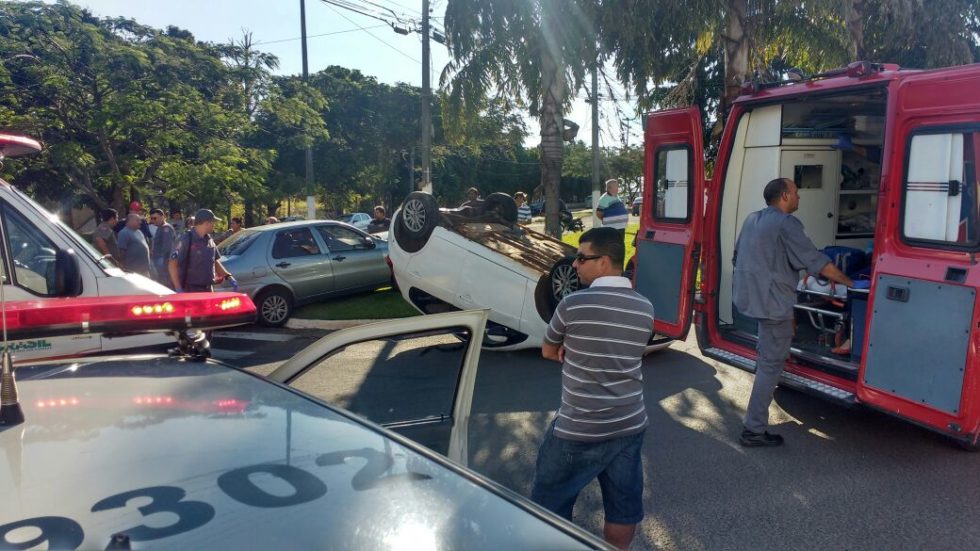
x: 562, y: 280
x: 418, y: 216
x: 274, y: 307
x: 503, y: 205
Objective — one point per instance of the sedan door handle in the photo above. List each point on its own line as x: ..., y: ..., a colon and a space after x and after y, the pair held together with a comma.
x: 283, y: 264
x: 339, y: 258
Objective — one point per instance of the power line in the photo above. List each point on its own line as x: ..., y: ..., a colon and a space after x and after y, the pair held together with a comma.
x: 330, y: 5
x: 317, y: 35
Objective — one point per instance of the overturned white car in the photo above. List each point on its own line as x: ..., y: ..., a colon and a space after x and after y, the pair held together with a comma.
x: 479, y: 257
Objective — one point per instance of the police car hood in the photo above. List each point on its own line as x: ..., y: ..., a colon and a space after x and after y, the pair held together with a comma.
x: 191, y: 455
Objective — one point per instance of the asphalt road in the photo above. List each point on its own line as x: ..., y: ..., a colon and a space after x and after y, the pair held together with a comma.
x: 846, y: 479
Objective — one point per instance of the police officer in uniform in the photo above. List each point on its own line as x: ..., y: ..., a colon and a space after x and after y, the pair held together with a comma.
x: 194, y: 265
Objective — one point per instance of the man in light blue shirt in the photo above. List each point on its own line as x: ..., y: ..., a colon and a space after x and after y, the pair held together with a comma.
x: 611, y: 210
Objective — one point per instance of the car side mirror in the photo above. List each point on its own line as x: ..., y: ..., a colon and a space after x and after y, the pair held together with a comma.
x: 369, y: 243
x: 68, y: 275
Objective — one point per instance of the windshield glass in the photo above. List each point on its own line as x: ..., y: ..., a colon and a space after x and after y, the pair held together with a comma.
x: 239, y: 243
x: 80, y: 242
x: 346, y: 218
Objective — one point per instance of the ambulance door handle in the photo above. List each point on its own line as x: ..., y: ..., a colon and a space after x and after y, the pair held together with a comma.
x: 901, y: 294
x: 830, y: 215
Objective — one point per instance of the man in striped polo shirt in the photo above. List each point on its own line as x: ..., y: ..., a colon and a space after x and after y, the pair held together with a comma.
x: 599, y: 335
x: 611, y: 210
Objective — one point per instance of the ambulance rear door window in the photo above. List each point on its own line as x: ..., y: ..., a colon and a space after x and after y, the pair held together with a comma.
x: 941, y: 190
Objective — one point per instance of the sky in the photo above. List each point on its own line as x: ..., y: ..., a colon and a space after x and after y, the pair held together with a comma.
x: 336, y: 36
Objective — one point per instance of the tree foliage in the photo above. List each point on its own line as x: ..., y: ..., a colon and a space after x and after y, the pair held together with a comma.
x: 126, y: 111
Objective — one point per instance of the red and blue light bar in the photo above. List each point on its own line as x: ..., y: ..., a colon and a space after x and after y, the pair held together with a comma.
x: 122, y: 315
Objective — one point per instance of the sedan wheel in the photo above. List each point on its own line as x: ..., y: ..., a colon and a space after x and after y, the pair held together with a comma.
x: 274, y: 308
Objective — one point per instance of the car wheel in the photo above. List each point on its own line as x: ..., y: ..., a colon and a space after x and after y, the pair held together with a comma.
x: 503, y: 205
x: 274, y: 307
x: 420, y: 215
x: 416, y: 219
x: 563, y: 280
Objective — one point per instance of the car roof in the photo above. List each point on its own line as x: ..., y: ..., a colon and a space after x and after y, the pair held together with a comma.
x: 236, y: 461
x: 298, y: 224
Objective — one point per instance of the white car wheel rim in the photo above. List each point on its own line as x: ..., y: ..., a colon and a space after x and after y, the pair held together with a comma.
x: 565, y: 281
x: 274, y: 309
x: 414, y: 214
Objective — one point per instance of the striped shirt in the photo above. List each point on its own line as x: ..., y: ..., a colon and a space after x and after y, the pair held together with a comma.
x: 604, y: 330
x: 524, y: 213
x: 614, y: 213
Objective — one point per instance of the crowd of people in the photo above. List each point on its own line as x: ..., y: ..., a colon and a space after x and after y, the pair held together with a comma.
x: 178, y: 253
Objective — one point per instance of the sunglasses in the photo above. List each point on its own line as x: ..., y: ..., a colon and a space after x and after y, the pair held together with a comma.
x: 580, y: 258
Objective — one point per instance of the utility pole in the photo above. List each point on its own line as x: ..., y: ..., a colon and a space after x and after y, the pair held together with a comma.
x: 310, y: 200
x: 595, y: 141
x: 426, y: 104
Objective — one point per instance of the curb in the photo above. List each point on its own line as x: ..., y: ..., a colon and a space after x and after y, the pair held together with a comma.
x: 328, y: 325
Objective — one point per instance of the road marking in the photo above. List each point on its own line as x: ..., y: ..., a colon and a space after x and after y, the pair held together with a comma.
x: 251, y: 336
x: 223, y: 354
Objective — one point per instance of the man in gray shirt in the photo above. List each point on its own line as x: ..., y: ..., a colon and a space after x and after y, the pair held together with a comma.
x: 133, y: 247
x: 771, y: 250
x: 599, y: 335
x: 163, y: 245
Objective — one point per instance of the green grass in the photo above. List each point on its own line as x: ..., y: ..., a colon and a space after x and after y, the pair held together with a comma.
x: 381, y: 304
x: 572, y: 238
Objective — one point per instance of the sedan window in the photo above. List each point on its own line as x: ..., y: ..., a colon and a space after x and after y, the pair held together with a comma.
x: 293, y: 243
x: 339, y: 238
x: 238, y: 243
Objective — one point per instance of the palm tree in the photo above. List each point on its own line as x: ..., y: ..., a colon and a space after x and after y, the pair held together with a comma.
x: 530, y: 51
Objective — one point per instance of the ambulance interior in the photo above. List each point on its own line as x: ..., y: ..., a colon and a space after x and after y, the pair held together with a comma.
x: 830, y: 146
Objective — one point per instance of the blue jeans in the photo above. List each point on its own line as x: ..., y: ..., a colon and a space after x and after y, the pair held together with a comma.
x: 564, y: 467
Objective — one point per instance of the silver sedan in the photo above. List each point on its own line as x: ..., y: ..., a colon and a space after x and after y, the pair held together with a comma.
x: 285, y: 265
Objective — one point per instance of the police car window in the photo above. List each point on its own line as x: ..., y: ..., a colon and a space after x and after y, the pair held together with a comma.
x: 411, y: 377
x: 941, y: 189
x: 672, y: 193
x: 32, y: 254
x: 294, y: 243
x: 339, y: 238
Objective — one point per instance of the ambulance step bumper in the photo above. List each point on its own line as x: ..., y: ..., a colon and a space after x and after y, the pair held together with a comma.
x: 788, y: 379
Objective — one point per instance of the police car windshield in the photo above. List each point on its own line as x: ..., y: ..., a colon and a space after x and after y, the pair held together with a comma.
x: 82, y: 244
x: 239, y: 243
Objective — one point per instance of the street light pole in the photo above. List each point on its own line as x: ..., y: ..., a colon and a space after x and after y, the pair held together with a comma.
x: 310, y: 200
x: 426, y: 115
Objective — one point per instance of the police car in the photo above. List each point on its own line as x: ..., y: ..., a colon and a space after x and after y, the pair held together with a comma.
x: 357, y: 442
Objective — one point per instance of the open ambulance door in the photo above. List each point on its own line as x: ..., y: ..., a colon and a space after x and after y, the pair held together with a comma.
x: 923, y: 312
x: 668, y: 242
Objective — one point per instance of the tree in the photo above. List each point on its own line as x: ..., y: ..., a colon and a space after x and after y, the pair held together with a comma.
x: 532, y: 51
x: 124, y: 110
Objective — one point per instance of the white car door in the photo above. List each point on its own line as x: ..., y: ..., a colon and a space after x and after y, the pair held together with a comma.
x: 414, y: 376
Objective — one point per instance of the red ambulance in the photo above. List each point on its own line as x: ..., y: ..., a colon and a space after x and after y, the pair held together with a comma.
x: 885, y: 162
